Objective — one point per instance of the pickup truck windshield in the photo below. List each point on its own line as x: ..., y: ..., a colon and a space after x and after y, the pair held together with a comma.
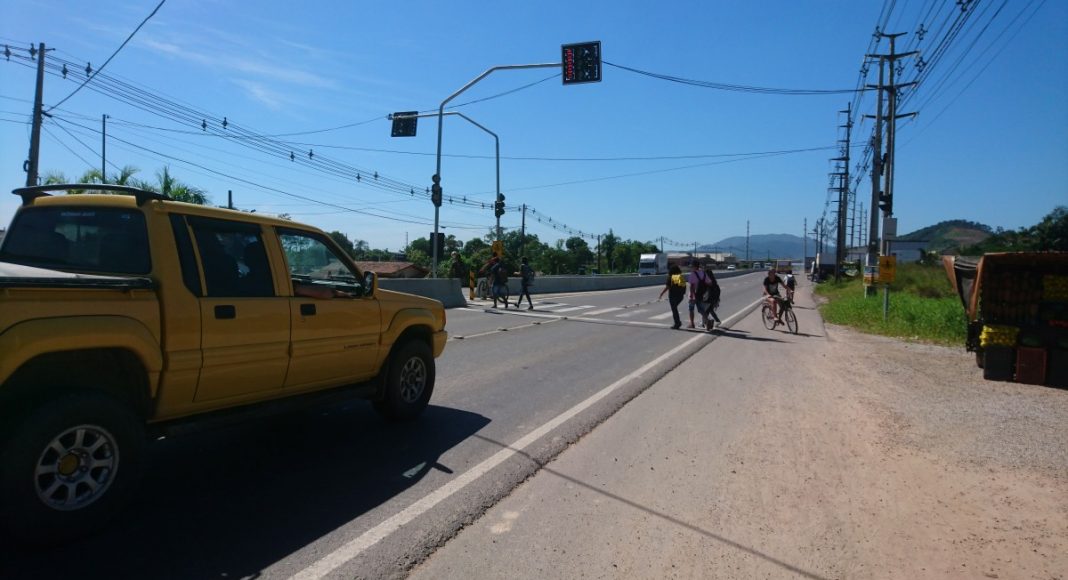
x: 82, y: 239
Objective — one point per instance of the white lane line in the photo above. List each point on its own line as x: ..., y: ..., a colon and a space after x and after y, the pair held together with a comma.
x: 572, y: 309
x: 631, y: 313
x: 550, y: 307
x: 602, y: 311
x: 356, y: 546
x: 661, y: 316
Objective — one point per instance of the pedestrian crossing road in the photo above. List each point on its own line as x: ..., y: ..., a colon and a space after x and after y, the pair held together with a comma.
x: 652, y: 312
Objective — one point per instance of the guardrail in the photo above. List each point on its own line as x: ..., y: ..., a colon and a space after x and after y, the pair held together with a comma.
x: 452, y: 295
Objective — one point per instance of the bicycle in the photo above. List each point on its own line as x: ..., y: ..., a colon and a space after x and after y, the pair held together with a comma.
x: 786, y: 315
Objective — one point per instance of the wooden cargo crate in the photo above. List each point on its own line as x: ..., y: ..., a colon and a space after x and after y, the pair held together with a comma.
x: 1058, y: 368
x: 1031, y: 365
x: 998, y: 363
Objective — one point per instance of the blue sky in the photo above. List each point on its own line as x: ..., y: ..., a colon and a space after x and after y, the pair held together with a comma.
x: 644, y: 157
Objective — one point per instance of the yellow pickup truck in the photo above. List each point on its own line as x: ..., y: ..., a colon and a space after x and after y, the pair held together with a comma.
x: 125, y: 314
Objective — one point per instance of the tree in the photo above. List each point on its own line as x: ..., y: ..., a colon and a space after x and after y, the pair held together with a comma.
x: 1052, y: 232
x: 579, y: 251
x: 608, y: 247
x: 178, y: 190
x: 343, y: 241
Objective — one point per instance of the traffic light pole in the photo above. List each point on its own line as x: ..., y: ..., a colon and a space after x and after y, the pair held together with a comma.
x: 441, y: 113
x: 497, y: 147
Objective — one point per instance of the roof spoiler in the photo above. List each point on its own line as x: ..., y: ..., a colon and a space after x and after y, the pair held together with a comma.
x: 28, y: 194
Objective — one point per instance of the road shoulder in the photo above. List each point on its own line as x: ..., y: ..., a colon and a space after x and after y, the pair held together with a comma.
x: 822, y: 455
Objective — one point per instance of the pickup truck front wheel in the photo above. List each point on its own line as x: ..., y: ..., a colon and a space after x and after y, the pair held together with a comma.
x: 68, y: 467
x: 409, y: 382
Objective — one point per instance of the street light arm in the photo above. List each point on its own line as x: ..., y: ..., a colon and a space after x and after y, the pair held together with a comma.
x: 441, y: 113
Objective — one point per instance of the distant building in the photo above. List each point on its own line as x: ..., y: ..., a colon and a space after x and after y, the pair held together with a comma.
x: 394, y: 269
x: 910, y: 251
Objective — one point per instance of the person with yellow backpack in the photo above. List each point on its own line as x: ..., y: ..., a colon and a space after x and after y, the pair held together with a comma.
x: 676, y: 289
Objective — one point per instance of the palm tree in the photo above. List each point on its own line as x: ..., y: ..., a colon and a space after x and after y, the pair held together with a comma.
x: 166, y: 184
x: 169, y: 185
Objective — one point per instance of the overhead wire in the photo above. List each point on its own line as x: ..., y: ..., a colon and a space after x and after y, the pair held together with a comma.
x: 101, y: 67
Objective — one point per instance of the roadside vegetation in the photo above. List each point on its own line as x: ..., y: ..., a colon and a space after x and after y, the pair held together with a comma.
x: 923, y: 306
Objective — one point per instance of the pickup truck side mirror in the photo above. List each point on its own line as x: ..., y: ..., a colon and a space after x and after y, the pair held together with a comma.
x: 370, y: 283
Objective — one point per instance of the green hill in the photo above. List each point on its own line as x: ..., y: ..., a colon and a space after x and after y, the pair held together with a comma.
x: 950, y: 234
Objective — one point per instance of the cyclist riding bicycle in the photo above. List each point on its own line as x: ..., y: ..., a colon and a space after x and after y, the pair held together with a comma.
x: 771, y: 290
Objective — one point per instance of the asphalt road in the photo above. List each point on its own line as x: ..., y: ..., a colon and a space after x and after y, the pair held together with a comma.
x: 337, y: 492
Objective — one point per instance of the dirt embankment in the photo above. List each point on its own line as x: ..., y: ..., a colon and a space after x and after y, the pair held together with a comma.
x: 902, y: 462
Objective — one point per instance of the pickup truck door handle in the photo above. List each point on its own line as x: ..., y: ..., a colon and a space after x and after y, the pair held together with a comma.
x: 225, y: 311
x: 307, y: 310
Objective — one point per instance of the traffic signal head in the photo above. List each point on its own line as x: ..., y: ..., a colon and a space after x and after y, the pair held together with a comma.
x: 581, y: 62
x: 435, y: 193
x: 886, y: 203
x: 404, y: 123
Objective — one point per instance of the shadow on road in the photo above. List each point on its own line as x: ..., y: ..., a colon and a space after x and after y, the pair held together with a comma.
x: 229, y: 503
x: 743, y: 335
x: 786, y: 566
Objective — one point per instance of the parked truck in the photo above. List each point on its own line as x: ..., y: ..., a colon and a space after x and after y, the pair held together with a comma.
x: 1017, y: 314
x: 129, y: 316
x: 652, y: 264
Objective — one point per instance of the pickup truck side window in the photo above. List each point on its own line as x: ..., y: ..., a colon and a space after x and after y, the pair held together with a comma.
x: 80, y: 239
x: 233, y: 257
x: 313, y: 262
x: 186, y: 257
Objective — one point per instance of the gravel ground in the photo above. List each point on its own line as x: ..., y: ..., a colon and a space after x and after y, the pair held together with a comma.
x: 939, y: 402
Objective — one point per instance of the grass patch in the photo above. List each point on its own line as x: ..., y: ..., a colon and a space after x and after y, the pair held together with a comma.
x: 923, y: 307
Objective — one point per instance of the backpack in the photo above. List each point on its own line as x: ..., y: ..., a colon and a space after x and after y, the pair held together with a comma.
x: 713, y: 288
x: 498, y: 274
x: 704, y: 289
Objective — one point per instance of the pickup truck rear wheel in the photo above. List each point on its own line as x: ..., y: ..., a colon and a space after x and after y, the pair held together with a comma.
x: 409, y: 382
x: 69, y: 467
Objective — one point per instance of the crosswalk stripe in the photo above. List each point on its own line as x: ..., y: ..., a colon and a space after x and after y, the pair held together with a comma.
x: 661, y: 316
x: 602, y: 311
x: 573, y: 308
x: 631, y: 313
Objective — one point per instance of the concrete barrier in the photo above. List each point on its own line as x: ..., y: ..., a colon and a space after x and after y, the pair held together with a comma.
x: 452, y: 295
x: 444, y: 290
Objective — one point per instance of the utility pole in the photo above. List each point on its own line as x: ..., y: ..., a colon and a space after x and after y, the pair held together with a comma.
x: 38, y: 112
x: 882, y: 165
x: 746, y: 240
x: 804, y: 240
x: 876, y: 171
x: 843, y: 195
x: 103, y: 148
x: 229, y: 199
x: 598, y: 253
x: 523, y: 232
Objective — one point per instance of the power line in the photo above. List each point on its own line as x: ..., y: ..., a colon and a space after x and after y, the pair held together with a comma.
x: 737, y: 88
x: 128, y: 38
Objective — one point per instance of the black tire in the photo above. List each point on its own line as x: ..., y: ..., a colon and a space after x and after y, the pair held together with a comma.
x: 409, y: 382
x: 69, y: 467
x: 979, y: 358
x: 765, y: 314
x: 791, y: 320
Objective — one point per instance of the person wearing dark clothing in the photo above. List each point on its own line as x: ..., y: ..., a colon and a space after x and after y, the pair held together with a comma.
x: 676, y: 291
x: 526, y: 278
x: 714, y: 304
x: 457, y: 268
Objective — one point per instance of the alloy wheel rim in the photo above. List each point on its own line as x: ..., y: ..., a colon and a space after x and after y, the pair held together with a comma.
x: 76, y: 467
x: 412, y: 379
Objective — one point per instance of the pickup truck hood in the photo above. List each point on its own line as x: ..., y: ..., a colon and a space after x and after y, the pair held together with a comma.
x: 20, y: 276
